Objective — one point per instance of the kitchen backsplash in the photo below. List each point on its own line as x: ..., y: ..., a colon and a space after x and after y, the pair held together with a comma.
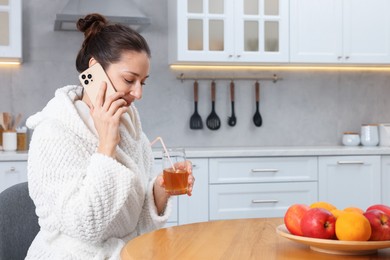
x: 305, y: 108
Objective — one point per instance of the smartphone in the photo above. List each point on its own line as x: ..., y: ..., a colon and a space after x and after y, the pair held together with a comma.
x: 91, y: 79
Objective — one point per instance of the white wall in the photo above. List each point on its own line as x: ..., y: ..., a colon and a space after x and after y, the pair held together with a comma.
x: 305, y: 108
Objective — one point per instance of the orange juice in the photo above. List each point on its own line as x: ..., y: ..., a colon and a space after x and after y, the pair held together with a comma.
x: 176, y: 182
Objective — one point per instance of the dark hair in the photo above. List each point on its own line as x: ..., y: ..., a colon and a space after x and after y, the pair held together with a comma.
x: 106, y: 42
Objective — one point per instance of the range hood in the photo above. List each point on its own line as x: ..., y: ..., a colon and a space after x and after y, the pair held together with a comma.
x: 116, y: 11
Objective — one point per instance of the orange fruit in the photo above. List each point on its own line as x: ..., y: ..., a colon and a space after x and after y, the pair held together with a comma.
x: 354, y: 209
x: 336, y: 212
x: 353, y: 226
x: 323, y: 205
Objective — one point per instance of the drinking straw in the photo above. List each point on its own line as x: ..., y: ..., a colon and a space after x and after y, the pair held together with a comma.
x: 165, y: 149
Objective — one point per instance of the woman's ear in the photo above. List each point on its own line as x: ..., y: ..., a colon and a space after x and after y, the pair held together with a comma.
x: 92, y: 61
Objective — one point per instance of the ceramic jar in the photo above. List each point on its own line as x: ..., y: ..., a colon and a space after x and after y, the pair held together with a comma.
x: 9, y: 141
x: 369, y: 135
x: 351, y: 139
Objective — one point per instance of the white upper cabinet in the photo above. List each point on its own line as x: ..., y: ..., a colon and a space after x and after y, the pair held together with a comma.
x: 10, y: 30
x: 339, y: 31
x: 228, y: 31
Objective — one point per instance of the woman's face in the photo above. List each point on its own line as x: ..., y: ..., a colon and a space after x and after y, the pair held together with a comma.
x: 129, y: 74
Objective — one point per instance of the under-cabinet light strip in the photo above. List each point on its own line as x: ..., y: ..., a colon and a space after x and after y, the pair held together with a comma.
x: 287, y: 68
x: 3, y: 63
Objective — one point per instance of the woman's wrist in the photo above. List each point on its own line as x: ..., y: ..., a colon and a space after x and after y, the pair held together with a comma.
x: 160, y: 198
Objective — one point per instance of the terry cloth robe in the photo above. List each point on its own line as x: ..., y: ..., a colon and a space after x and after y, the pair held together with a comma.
x: 89, y: 205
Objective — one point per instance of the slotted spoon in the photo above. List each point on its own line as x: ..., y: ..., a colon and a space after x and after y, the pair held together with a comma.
x: 196, y: 120
x: 213, y: 122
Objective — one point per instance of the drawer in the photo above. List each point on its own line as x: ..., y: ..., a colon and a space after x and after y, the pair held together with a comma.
x: 231, y: 201
x: 12, y: 173
x: 265, y: 169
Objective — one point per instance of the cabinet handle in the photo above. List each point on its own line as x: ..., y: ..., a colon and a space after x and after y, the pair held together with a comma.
x: 339, y: 57
x: 238, y: 56
x: 346, y: 57
x: 350, y: 162
x: 12, y: 169
x: 265, y: 170
x: 264, y: 201
x: 230, y: 56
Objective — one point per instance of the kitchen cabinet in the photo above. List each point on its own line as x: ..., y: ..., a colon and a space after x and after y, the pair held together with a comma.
x: 195, y: 208
x: 260, y: 187
x: 339, y: 31
x: 11, y: 30
x: 223, y: 31
x: 350, y: 180
x: 385, y: 180
x: 11, y: 173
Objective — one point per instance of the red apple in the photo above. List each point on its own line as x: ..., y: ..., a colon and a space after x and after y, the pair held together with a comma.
x: 380, y: 224
x: 318, y: 223
x: 384, y: 208
x: 293, y: 216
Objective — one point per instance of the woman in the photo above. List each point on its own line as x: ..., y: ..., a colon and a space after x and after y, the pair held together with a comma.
x: 90, y: 166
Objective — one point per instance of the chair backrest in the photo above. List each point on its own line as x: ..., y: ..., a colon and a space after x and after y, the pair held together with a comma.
x: 18, y: 222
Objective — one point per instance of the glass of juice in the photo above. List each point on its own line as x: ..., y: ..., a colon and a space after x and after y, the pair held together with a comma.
x: 175, y: 171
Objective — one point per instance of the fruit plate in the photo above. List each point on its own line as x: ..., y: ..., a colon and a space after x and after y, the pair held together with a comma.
x: 335, y: 246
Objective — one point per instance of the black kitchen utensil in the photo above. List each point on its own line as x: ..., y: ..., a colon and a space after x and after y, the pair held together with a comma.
x: 232, y: 120
x: 196, y: 120
x: 213, y: 122
x: 257, y: 120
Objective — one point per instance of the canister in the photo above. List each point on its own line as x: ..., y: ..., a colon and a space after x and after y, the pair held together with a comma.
x: 369, y: 135
x: 384, y: 134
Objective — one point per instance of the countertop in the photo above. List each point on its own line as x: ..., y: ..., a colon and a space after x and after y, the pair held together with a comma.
x: 271, y: 151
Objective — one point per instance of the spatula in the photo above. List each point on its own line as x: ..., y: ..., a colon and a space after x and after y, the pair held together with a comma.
x: 232, y: 120
x: 257, y: 120
x: 196, y: 120
x: 213, y: 122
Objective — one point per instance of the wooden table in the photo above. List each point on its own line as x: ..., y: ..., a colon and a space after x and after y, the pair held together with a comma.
x: 241, y: 239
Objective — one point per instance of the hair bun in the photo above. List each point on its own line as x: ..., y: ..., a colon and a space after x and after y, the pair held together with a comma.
x: 91, y: 24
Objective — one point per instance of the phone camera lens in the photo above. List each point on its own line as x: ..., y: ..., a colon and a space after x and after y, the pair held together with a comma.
x: 86, y: 82
x: 89, y: 76
x: 83, y: 76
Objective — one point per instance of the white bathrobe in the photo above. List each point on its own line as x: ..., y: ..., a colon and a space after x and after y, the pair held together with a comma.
x: 89, y: 205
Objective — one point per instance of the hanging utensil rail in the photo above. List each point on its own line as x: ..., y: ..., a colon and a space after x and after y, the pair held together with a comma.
x: 274, y: 78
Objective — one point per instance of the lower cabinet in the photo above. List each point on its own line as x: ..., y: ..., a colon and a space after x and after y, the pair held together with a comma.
x: 195, y: 208
x: 385, y: 180
x: 256, y: 187
x: 350, y: 180
x: 190, y: 209
x: 258, y: 200
x: 260, y: 187
x: 11, y: 173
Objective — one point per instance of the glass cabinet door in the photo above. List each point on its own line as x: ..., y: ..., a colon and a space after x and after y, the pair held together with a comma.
x: 262, y: 30
x: 231, y: 30
x: 10, y: 30
x: 205, y: 28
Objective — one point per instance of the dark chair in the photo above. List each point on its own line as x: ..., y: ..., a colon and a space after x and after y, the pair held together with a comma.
x: 18, y: 222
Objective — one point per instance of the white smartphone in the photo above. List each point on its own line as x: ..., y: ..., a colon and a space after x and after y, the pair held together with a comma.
x: 92, y: 78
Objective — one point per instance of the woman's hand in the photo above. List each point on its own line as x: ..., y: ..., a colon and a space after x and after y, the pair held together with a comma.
x: 106, y: 116
x: 161, y: 196
x: 187, y: 165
